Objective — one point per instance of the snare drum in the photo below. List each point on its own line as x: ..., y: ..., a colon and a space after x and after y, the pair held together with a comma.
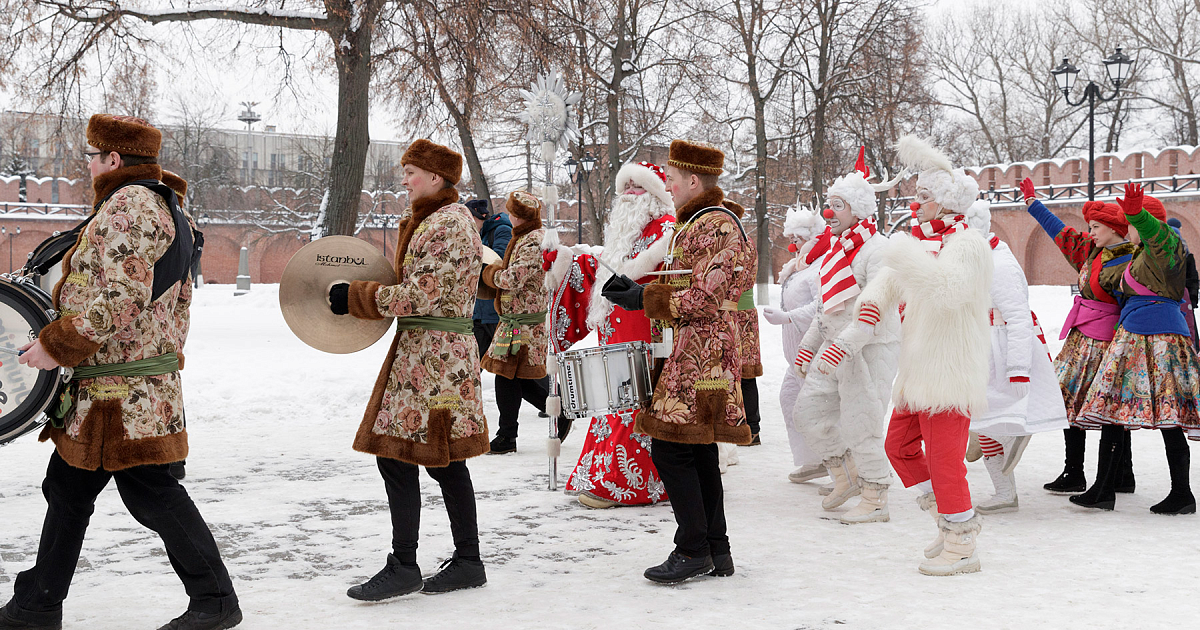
x: 609, y: 379
x: 25, y: 392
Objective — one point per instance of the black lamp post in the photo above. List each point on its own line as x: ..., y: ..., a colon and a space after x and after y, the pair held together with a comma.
x: 4, y: 231
x: 579, y: 172
x: 198, y: 272
x: 1117, y: 66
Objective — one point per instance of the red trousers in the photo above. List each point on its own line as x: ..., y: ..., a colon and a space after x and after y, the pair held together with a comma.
x: 945, y: 437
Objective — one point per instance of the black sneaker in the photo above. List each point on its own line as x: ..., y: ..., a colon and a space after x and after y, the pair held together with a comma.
x: 501, y: 445
x: 722, y: 565
x: 177, y: 471
x: 394, y: 580
x: 679, y: 568
x: 193, y: 620
x: 13, y: 617
x: 1069, y: 482
x: 455, y: 574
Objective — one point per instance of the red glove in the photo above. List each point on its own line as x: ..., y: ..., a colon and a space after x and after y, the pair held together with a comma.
x: 1132, y: 203
x: 548, y: 258
x: 1027, y: 189
x: 869, y: 314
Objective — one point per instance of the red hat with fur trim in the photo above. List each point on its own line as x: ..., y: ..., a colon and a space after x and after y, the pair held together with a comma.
x: 1108, y: 214
x: 434, y: 158
x: 524, y: 206
x: 127, y: 135
x: 647, y: 175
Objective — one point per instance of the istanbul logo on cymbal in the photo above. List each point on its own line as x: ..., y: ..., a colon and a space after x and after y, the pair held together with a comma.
x: 329, y: 260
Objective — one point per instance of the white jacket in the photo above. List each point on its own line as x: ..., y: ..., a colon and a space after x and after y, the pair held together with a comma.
x: 800, y: 297
x: 1017, y: 352
x: 945, y: 348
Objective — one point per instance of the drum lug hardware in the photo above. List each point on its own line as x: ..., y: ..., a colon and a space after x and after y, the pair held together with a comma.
x: 66, y: 374
x: 52, y: 314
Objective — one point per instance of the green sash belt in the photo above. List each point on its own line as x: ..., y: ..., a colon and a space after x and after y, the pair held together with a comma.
x: 461, y: 325
x: 746, y: 302
x: 510, y: 336
x: 153, y: 366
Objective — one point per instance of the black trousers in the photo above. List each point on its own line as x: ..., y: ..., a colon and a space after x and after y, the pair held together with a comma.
x: 750, y: 401
x: 509, y: 394
x: 692, y: 477
x: 156, y: 500
x: 402, y: 481
x: 483, y: 336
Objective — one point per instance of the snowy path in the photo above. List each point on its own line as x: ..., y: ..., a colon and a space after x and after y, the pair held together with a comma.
x: 300, y: 517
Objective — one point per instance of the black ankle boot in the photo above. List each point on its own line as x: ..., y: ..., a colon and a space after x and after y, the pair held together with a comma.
x: 1180, y: 500
x: 195, y: 620
x: 13, y: 617
x: 1072, y: 479
x: 679, y: 567
x: 1126, y: 482
x: 722, y: 565
x: 394, y: 580
x: 456, y: 573
x: 564, y: 427
x: 501, y: 445
x: 1101, y: 495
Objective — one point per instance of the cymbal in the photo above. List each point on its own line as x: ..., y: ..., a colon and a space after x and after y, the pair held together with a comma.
x: 304, y: 293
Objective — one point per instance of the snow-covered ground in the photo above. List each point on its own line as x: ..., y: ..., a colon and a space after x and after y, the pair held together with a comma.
x: 300, y: 517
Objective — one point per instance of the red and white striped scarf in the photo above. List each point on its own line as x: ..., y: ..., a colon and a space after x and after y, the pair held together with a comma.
x: 931, y: 234
x: 837, y: 279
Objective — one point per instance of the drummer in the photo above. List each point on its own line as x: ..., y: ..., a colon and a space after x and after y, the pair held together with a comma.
x: 129, y: 424
x: 517, y: 355
x: 697, y: 398
x: 426, y: 408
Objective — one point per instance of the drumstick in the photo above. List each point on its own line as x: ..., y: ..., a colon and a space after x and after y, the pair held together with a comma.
x: 12, y: 352
x: 669, y: 272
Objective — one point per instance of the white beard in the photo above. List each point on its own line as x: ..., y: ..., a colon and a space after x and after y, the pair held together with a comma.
x: 629, y: 217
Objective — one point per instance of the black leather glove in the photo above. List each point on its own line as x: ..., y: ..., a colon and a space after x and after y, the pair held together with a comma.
x: 623, y: 292
x: 339, y: 298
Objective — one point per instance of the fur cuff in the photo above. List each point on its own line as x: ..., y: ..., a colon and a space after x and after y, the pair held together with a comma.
x: 489, y: 274
x: 656, y: 301
x: 971, y: 525
x: 65, y: 345
x: 927, y: 502
x: 362, y: 300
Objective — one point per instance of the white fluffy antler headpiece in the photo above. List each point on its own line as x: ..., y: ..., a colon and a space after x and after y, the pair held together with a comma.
x: 951, y: 187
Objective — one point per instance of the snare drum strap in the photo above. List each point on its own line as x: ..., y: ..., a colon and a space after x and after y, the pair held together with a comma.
x: 153, y: 366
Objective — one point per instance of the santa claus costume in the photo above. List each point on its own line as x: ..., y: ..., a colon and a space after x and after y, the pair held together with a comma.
x: 799, y: 301
x: 1149, y: 377
x: 614, y: 466
x: 943, y: 276
x: 843, y: 403
x: 1023, y: 394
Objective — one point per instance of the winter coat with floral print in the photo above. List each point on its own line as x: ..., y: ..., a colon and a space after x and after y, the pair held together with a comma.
x: 518, y: 281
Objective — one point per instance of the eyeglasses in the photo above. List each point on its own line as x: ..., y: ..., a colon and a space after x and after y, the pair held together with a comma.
x: 89, y: 155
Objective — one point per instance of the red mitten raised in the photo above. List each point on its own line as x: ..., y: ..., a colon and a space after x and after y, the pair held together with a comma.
x: 548, y: 258
x: 1027, y: 189
x: 1132, y: 203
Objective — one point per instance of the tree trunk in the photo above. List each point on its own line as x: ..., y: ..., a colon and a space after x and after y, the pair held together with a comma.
x: 478, y: 180
x: 763, y: 231
x: 353, y: 134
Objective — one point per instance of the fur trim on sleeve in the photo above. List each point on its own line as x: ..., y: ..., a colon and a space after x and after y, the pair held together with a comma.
x: 489, y: 274
x: 65, y: 345
x: 656, y: 301
x: 361, y: 300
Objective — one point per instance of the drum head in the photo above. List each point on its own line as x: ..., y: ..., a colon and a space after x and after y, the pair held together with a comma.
x: 24, y: 391
x: 304, y: 293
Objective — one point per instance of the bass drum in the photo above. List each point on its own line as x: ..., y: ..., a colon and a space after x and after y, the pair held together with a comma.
x: 25, y: 392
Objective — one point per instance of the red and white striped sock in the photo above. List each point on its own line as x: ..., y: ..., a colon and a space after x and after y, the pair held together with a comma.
x: 990, y: 447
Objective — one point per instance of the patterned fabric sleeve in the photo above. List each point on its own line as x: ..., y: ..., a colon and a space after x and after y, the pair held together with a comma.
x: 524, y: 268
x: 1160, y: 266
x: 443, y: 251
x: 1076, y: 246
x: 135, y: 229
x: 718, y: 250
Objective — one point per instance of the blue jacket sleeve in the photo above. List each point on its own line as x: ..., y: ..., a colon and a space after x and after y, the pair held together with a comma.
x: 1050, y: 223
x: 501, y: 238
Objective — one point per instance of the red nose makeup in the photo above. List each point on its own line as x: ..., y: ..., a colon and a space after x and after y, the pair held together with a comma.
x: 914, y: 206
x: 792, y: 248
x: 827, y: 213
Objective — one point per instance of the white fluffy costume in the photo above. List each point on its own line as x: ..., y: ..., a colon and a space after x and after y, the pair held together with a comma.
x: 943, y: 278
x: 844, y: 400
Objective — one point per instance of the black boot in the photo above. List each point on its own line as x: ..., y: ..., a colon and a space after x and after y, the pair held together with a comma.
x: 502, y: 445
x: 679, y: 567
x: 564, y: 427
x: 722, y: 565
x: 394, y: 580
x: 1101, y: 495
x: 13, y: 617
x: 1126, y: 483
x: 1072, y: 479
x: 177, y: 470
x: 1179, y: 459
x: 193, y: 620
x: 456, y: 573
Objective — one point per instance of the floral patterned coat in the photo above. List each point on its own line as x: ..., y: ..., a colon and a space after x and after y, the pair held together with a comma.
x: 105, y: 317
x: 426, y: 408
x: 747, y: 319
x: 518, y: 281
x: 698, y: 395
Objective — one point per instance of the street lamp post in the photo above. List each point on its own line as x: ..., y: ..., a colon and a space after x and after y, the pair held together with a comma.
x: 5, y: 232
x: 579, y: 172
x: 1117, y: 66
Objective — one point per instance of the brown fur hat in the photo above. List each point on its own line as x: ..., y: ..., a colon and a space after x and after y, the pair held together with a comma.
x: 176, y: 183
x: 697, y: 158
x: 434, y: 158
x: 523, y: 205
x: 126, y: 135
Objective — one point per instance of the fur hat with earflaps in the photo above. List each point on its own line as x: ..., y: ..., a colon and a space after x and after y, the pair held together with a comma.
x: 697, y: 158
x: 127, y: 135
x: 951, y: 187
x: 523, y: 205
x: 434, y: 158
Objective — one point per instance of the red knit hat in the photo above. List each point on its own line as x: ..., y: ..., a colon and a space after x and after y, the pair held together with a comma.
x: 1108, y: 214
x: 1154, y: 207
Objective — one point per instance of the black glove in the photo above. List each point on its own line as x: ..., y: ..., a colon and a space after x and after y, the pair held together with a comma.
x: 339, y: 298
x: 623, y: 292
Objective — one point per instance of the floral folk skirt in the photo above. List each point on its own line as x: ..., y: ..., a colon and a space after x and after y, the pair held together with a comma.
x: 1077, y: 365
x: 1146, y: 382
x: 615, y: 464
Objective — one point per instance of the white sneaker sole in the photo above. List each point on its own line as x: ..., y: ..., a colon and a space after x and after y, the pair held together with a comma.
x: 966, y: 565
x: 875, y: 516
x: 1003, y: 508
x: 797, y: 477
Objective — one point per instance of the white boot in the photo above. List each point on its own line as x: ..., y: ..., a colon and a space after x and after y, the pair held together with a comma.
x: 808, y: 473
x: 928, y: 503
x: 727, y: 455
x: 1013, y: 452
x: 845, y: 481
x: 873, y: 508
x: 826, y: 489
x: 958, y: 555
x: 1005, y: 499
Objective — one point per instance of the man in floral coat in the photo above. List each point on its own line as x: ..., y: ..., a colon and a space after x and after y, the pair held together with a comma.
x: 517, y: 355
x: 426, y: 408
x: 697, y: 397
x: 123, y: 307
